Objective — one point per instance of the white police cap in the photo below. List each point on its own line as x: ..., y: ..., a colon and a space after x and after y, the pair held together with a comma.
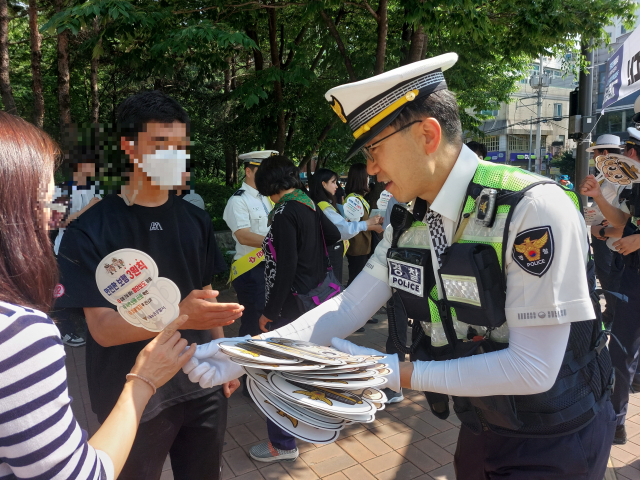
x: 634, y: 135
x: 255, y: 158
x: 604, y: 142
x: 369, y: 106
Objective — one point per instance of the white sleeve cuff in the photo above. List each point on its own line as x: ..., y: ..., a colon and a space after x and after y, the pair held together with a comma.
x: 107, y: 464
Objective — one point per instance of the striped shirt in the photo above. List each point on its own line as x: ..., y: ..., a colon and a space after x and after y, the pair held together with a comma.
x: 39, y: 436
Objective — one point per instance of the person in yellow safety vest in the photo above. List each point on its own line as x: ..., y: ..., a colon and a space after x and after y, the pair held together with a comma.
x: 247, y: 215
x: 494, y: 264
x: 322, y: 187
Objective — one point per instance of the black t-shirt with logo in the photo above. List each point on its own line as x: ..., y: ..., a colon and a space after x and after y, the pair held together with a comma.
x: 180, y: 238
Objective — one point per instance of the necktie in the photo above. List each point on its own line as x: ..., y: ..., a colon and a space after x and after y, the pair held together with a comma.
x: 438, y: 237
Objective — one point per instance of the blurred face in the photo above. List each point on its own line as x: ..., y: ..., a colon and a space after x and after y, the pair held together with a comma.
x: 45, y: 195
x: 331, y: 186
x: 161, y: 152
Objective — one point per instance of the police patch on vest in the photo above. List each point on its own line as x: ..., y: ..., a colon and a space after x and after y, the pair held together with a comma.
x: 406, y: 276
x: 533, y: 250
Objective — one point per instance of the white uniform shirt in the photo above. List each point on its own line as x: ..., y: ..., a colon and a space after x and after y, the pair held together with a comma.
x: 248, y: 209
x: 347, y: 229
x: 561, y: 294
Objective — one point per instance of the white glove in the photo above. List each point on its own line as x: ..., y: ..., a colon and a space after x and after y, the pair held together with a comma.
x: 391, y: 361
x: 210, y: 367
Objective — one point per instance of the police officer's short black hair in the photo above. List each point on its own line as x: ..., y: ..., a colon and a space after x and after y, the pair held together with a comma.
x: 144, y: 107
x: 609, y: 150
x: 275, y: 174
x: 442, y: 106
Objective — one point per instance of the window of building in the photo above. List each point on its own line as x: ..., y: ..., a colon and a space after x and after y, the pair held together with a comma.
x: 493, y: 113
x: 520, y: 143
x: 622, y: 30
x: 557, y: 110
x: 492, y: 143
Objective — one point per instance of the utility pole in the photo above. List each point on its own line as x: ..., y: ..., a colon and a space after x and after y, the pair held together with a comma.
x: 585, y: 91
x: 538, y: 138
x: 530, y: 137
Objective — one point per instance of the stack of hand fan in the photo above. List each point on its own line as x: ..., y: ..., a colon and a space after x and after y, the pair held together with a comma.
x: 309, y: 390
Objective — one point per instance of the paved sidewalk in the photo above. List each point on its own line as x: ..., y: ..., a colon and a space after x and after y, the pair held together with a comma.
x: 405, y: 442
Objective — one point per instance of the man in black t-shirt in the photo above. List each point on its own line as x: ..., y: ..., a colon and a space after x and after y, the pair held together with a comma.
x: 181, y: 420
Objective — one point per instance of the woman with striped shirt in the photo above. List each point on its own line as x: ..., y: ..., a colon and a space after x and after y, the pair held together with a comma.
x: 39, y: 436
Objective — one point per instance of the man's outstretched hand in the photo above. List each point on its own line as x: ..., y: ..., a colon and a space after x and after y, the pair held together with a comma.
x: 205, y: 312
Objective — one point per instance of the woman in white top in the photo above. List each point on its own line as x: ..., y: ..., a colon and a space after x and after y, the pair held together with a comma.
x: 322, y: 189
x: 39, y: 436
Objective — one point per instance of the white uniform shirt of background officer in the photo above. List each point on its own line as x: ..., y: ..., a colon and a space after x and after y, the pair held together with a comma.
x: 159, y: 155
x: 416, y: 161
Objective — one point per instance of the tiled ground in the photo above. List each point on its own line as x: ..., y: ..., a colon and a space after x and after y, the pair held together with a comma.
x: 405, y: 442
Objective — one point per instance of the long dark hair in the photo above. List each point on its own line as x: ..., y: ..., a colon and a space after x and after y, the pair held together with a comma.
x: 28, y: 270
x: 275, y: 174
x: 317, y: 192
x: 358, y: 179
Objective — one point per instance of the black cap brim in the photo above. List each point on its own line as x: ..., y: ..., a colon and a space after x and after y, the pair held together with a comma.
x: 365, y: 138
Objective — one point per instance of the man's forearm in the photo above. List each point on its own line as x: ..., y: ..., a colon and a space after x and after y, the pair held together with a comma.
x: 615, y: 216
x: 246, y: 237
x: 109, y: 329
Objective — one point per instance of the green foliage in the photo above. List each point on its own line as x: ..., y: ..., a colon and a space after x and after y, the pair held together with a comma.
x: 215, y: 196
x: 204, y: 54
x: 567, y: 164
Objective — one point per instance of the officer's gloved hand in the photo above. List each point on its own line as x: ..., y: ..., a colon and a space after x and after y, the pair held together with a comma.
x: 210, y: 367
x: 391, y: 360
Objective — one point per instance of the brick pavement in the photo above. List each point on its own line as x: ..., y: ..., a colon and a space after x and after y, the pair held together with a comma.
x: 406, y: 441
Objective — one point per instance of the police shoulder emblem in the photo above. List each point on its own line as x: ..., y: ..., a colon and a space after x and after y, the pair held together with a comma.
x: 238, y: 193
x: 533, y: 250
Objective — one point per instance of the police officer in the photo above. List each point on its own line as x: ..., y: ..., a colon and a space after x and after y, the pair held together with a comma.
x: 247, y: 215
x: 608, y: 263
x: 626, y: 327
x: 491, y: 264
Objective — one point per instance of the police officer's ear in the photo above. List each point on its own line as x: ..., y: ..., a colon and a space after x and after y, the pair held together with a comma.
x: 429, y: 133
x: 128, y: 146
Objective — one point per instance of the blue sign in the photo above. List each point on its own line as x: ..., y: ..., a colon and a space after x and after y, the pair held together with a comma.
x: 499, y: 157
x: 524, y: 157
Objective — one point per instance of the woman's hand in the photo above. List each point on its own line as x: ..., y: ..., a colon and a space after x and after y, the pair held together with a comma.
x: 627, y: 245
x: 590, y: 187
x: 161, y: 359
x: 263, y: 323
x: 375, y: 224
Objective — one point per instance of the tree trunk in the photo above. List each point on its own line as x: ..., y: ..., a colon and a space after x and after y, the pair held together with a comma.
x: 417, y: 43
x: 230, y: 149
x: 258, y: 59
x: 95, y: 97
x: 406, y: 40
x: 281, y: 131
x: 316, y: 147
x: 231, y: 164
x: 64, y: 98
x: 425, y: 44
x: 292, y: 123
x: 36, y: 60
x: 343, y: 51
x: 5, y: 84
x: 383, y: 27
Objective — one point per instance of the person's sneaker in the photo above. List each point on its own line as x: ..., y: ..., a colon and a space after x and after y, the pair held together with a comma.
x: 265, y: 452
x: 73, y: 340
x: 621, y: 435
x: 372, y: 320
x: 393, y: 397
x: 636, y: 386
x: 360, y: 330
